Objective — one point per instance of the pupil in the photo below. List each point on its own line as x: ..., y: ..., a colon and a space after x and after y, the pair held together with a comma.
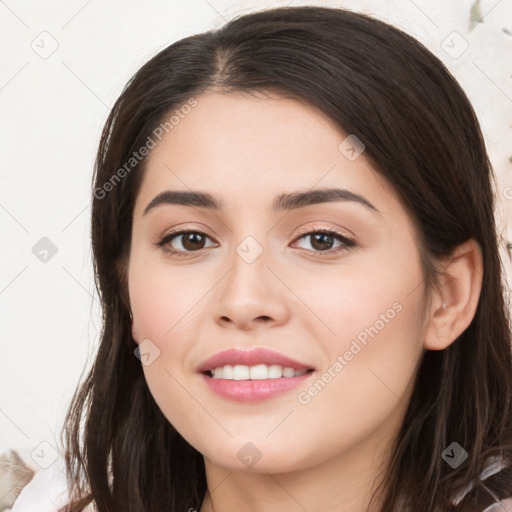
x: 190, y: 238
x: 317, y: 239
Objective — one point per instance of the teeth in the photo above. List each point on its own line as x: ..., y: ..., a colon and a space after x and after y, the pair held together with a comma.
x: 275, y: 371
x: 227, y: 372
x: 239, y: 372
x: 288, y: 372
x: 258, y: 372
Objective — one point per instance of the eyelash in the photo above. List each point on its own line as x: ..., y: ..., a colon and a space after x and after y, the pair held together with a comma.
x: 348, y: 243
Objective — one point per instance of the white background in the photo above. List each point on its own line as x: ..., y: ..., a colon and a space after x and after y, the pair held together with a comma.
x: 52, y: 109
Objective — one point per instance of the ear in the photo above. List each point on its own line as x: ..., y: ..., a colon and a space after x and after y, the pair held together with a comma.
x: 135, y: 333
x: 453, y: 307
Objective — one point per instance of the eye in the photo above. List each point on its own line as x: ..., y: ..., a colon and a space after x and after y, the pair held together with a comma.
x: 322, y: 240
x: 190, y: 241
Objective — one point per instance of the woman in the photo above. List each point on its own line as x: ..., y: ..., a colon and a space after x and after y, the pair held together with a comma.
x: 297, y: 258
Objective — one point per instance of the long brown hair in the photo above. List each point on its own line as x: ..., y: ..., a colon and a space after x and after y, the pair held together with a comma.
x: 422, y: 135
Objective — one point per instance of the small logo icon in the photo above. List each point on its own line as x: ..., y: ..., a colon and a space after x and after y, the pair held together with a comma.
x: 249, y: 454
x: 44, y: 250
x: 454, y: 44
x: 44, y: 455
x: 45, y: 45
x: 351, y: 147
x: 147, y: 352
x: 249, y: 249
x: 454, y: 455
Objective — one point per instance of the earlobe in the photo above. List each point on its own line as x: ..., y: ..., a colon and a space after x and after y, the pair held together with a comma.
x: 135, y: 334
x: 453, y: 307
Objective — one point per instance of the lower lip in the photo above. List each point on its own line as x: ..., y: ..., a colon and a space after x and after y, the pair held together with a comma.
x: 253, y: 390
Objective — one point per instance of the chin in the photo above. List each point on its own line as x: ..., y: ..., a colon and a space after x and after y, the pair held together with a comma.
x: 265, y: 456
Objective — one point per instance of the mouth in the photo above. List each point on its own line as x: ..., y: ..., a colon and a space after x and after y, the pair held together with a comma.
x: 255, y: 364
x: 256, y: 372
x: 252, y: 376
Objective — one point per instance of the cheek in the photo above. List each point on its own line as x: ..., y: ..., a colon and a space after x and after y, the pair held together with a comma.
x: 367, y: 381
x: 163, y: 303
x: 170, y: 392
x: 164, y: 300
x: 357, y: 300
x: 375, y: 339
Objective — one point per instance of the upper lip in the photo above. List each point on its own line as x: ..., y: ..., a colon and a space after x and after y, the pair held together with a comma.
x: 250, y: 358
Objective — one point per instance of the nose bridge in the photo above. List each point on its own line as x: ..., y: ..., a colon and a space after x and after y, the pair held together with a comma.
x: 248, y: 265
x: 250, y: 290
x: 250, y: 242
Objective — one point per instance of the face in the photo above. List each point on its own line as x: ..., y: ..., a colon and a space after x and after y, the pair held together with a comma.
x: 334, y: 285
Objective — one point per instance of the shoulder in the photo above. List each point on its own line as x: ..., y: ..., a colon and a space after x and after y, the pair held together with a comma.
x: 496, y: 479
x: 47, y: 491
x: 500, y: 506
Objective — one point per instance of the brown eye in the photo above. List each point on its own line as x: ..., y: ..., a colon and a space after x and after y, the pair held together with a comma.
x: 192, y: 241
x: 322, y: 241
x: 183, y: 242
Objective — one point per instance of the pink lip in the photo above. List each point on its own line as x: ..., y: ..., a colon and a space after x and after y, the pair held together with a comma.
x: 251, y: 390
x: 250, y: 358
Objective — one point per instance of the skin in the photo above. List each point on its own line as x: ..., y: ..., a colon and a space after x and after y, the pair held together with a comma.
x: 327, y: 454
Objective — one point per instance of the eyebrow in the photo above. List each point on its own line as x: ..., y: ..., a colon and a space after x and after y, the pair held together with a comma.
x: 290, y: 201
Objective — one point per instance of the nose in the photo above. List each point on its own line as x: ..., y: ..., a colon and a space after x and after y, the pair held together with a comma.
x: 251, y: 295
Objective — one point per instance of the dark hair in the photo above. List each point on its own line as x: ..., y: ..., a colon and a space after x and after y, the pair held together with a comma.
x: 420, y: 133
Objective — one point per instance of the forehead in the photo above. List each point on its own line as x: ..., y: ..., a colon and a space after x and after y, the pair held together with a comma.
x: 241, y: 145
